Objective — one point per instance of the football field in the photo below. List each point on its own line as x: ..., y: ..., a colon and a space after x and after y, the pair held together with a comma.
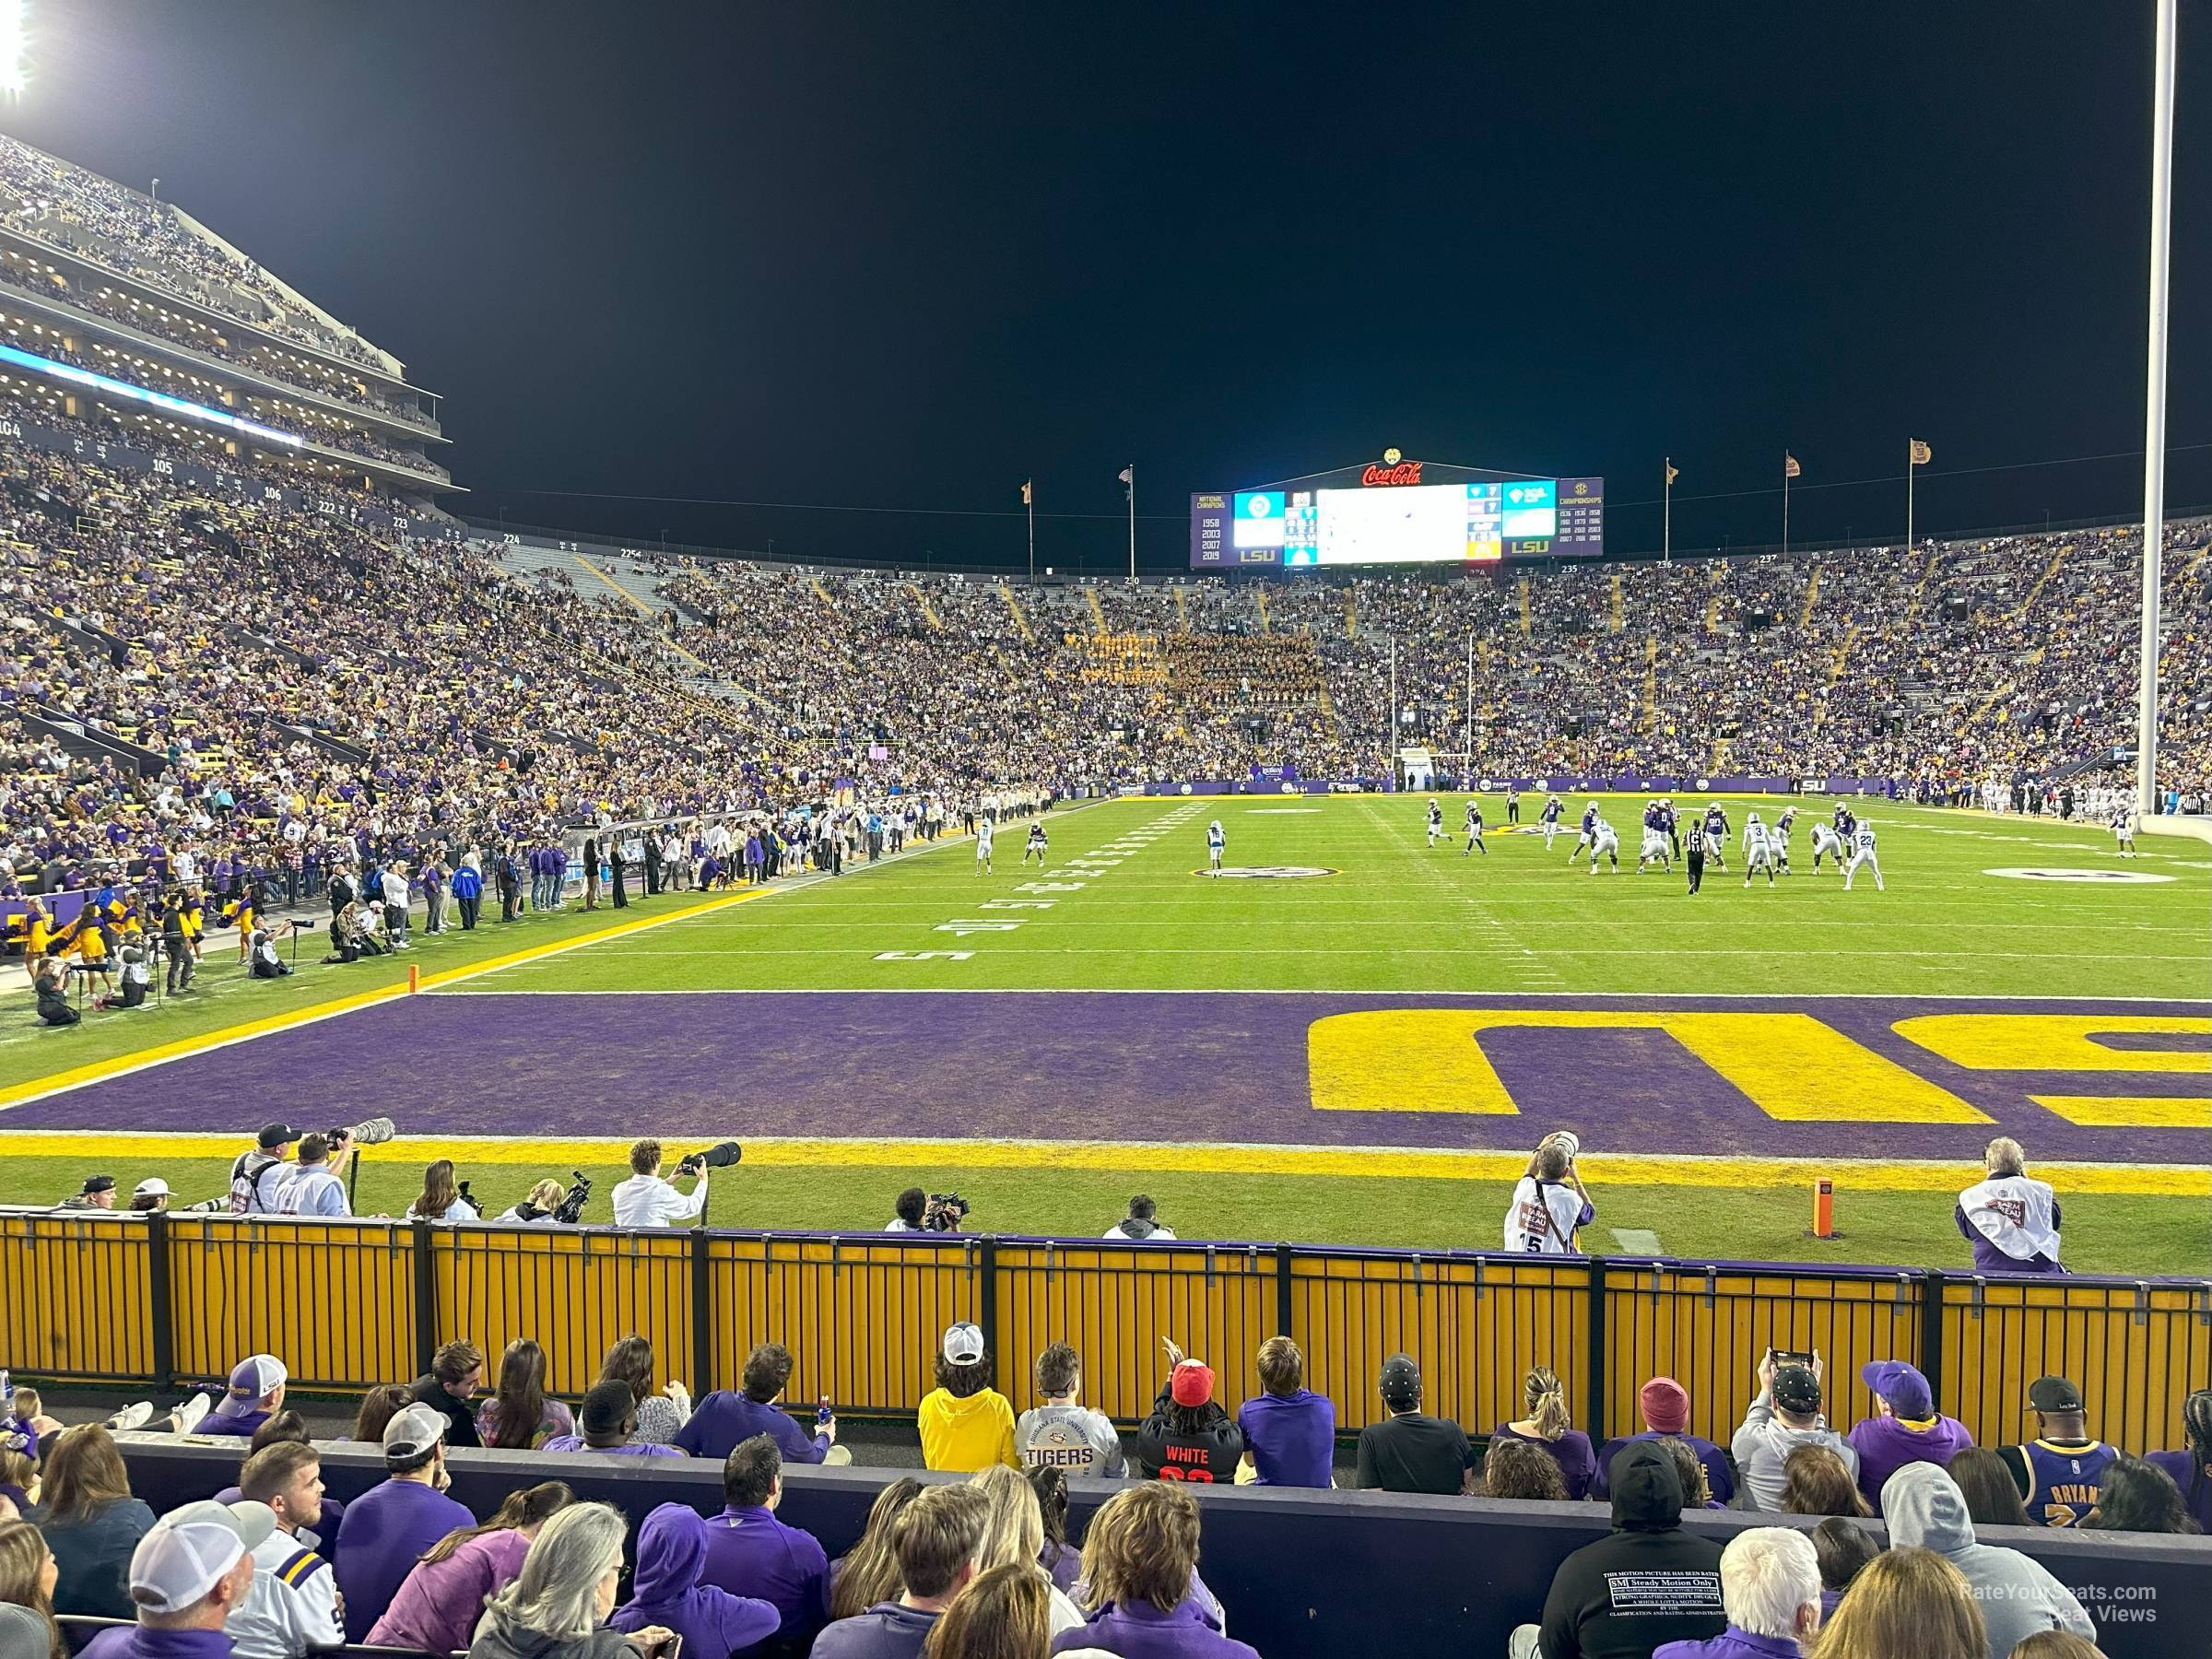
x: 1351, y: 1036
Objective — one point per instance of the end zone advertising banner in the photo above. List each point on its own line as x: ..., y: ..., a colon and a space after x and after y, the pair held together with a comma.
x: 1381, y: 516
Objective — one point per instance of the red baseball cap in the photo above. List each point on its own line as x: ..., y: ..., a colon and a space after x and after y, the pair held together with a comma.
x: 1192, y: 1382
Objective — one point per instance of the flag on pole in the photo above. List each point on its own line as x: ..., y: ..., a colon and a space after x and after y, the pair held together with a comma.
x: 1126, y: 471
x: 1025, y: 491
x: 1922, y: 454
x: 1673, y: 472
x: 1790, y: 469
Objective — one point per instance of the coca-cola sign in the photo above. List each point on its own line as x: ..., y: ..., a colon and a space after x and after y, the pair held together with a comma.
x: 1404, y: 472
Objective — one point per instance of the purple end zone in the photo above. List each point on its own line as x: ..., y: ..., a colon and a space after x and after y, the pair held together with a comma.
x: 1073, y: 1065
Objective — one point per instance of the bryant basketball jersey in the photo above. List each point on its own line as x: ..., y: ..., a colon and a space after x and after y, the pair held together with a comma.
x: 2067, y: 1480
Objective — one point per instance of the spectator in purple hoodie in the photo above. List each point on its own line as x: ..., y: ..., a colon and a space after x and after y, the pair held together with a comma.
x: 1906, y: 1427
x: 608, y: 1420
x: 668, y: 1591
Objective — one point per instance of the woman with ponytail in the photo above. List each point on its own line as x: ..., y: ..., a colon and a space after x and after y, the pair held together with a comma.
x: 2192, y: 1467
x: 1549, y: 1427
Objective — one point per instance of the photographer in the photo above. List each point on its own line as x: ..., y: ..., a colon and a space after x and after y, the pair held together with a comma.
x: 907, y: 1209
x: 1550, y: 1203
x: 50, y: 978
x: 265, y: 962
x: 255, y: 1176
x: 136, y: 978
x: 314, y: 1187
x: 541, y: 1208
x: 439, y: 1199
x: 646, y: 1200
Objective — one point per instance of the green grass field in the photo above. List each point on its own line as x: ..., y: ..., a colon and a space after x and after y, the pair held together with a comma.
x: 1703, y: 1125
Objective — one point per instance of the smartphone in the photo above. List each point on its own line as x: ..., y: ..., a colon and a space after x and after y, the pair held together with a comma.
x: 822, y: 1414
x: 1793, y: 1356
x: 672, y: 1650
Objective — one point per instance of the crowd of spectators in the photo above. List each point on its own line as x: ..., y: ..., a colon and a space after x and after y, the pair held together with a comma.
x: 281, y: 1569
x: 147, y: 241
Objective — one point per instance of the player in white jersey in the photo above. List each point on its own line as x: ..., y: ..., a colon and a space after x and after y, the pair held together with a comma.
x: 1654, y: 849
x: 1475, y: 843
x: 1863, y: 854
x: 1436, y: 822
x: 1758, y: 854
x: 1604, y: 843
x: 1549, y: 818
x: 2124, y: 830
x: 1035, y: 844
x: 1826, y: 842
x: 984, y: 830
x: 1214, y: 842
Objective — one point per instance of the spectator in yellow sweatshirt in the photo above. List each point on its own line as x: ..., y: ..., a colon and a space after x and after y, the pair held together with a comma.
x: 966, y: 1424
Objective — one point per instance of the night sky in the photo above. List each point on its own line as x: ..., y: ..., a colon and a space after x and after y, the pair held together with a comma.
x: 907, y: 255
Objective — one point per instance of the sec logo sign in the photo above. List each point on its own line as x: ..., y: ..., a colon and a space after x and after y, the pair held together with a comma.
x: 1267, y: 872
x: 2074, y: 873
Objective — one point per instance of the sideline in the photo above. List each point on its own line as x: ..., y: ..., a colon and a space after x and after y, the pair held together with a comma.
x: 123, y: 1066
x: 1225, y: 1158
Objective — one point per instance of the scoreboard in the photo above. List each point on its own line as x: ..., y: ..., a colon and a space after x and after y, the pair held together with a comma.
x: 1382, y: 522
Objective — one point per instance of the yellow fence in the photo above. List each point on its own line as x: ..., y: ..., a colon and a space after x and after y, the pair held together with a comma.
x: 180, y: 1299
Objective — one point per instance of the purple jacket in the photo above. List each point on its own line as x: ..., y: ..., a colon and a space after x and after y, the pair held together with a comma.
x: 672, y: 1554
x: 1886, y: 1444
x: 2182, y: 1467
x: 1578, y: 1463
x: 1719, y: 1481
x: 723, y: 1420
x: 1730, y: 1643
x: 1291, y: 1438
x: 438, y: 1606
x: 385, y: 1533
x: 140, y: 1642
x: 574, y: 1443
x: 1139, y: 1631
x: 749, y: 1552
x: 885, y: 1630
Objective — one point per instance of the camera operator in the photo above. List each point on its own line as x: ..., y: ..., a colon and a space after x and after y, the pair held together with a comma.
x: 136, y: 978
x: 255, y: 1176
x: 266, y: 963
x: 907, y: 1211
x: 315, y: 1185
x: 541, y: 1208
x: 646, y: 1200
x: 176, y: 943
x: 50, y: 978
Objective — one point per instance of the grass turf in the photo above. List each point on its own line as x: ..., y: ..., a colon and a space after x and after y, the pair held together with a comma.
x: 1396, y: 917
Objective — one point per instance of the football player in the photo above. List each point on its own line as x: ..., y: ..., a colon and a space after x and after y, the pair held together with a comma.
x: 1475, y: 830
x: 1862, y: 853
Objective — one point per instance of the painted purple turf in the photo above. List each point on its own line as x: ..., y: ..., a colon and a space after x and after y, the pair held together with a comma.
x: 1213, y: 1066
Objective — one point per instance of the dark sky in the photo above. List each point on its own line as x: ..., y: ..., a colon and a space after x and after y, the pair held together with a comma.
x: 905, y: 255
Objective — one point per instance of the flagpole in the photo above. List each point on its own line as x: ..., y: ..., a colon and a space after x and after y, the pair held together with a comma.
x: 1390, y: 755
x: 2154, y: 413
x: 1666, y: 512
x: 1029, y: 500
x: 1133, y: 520
x: 1785, y: 504
x: 1470, y: 705
x: 1910, y: 469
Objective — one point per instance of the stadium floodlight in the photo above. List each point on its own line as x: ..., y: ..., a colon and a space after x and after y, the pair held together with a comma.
x: 14, y: 41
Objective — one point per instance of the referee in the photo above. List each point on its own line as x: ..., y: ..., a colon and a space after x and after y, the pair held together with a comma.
x: 1695, y: 860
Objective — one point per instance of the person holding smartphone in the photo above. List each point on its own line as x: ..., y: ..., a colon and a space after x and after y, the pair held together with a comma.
x: 1785, y: 1415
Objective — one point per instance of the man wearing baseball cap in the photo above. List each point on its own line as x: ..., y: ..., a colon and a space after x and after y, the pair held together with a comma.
x: 1785, y: 1415
x: 256, y: 1393
x: 1906, y: 1427
x: 98, y: 1193
x: 256, y: 1175
x: 387, y: 1528
x: 2060, y: 1471
x: 1409, y: 1451
x: 1665, y: 1404
x: 191, y: 1572
x: 148, y: 1195
x: 966, y: 1424
x: 1188, y: 1436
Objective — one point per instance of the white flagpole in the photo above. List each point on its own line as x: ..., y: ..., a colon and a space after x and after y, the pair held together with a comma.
x: 1390, y: 755
x: 1470, y: 704
x: 1910, y: 470
x: 1785, y: 504
x: 1666, y: 512
x: 2154, y: 413
x: 1029, y: 500
x: 1133, y: 520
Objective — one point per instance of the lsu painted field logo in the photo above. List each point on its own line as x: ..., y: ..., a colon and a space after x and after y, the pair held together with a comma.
x: 2074, y: 873
x: 1267, y: 872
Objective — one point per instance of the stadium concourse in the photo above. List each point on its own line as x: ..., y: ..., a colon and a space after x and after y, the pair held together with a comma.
x: 910, y: 884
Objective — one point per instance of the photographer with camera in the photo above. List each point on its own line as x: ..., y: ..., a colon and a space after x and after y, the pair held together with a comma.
x: 439, y: 1199
x: 548, y: 1206
x: 265, y: 962
x: 917, y: 1211
x: 50, y: 978
x: 315, y: 1185
x: 1550, y: 1203
x: 646, y: 1200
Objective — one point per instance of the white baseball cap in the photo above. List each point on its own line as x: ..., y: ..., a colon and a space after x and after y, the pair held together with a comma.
x: 415, y: 1430
x: 191, y: 1550
x: 153, y: 1186
x: 963, y: 1343
x: 254, y: 1378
